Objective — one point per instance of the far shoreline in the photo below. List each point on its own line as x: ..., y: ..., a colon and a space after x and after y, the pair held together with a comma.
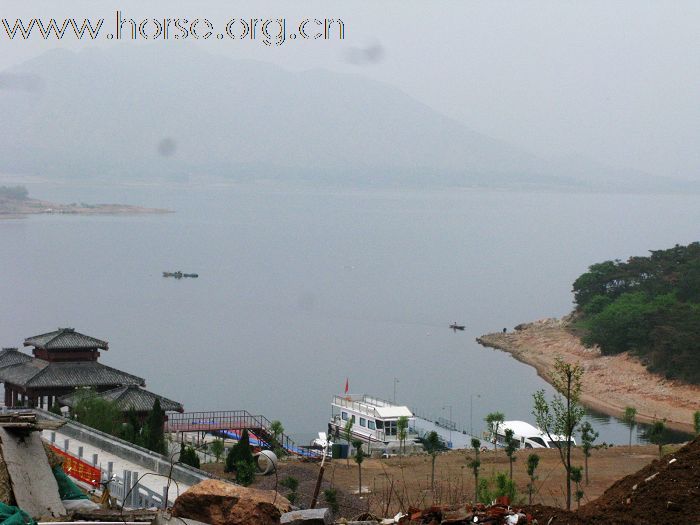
x: 621, y: 377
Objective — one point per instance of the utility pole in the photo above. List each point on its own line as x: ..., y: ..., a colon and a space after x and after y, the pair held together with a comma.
x: 471, y: 413
x: 450, y: 425
x: 395, y: 381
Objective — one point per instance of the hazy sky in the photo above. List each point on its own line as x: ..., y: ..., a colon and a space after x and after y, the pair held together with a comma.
x: 616, y: 81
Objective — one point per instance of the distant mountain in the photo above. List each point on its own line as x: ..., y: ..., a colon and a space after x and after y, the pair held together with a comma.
x: 169, y: 112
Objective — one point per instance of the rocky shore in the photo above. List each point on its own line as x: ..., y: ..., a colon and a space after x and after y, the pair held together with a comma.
x: 610, y: 383
x: 11, y: 208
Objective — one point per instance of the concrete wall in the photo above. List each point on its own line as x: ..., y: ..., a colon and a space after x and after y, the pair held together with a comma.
x: 145, y: 458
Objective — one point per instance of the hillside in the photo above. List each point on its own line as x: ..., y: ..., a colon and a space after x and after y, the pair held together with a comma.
x: 170, y: 112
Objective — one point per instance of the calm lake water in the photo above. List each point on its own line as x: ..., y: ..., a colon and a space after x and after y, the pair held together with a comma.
x: 299, y: 289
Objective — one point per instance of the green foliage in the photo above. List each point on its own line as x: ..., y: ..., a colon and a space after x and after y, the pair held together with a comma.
x: 245, y: 473
x: 630, y: 419
x: 359, y: 458
x: 277, y: 431
x: 56, y: 409
x: 292, y: 484
x: 16, y: 193
x: 433, y: 445
x: 696, y: 422
x: 576, y: 477
x: 402, y: 427
x: 96, y: 412
x: 188, y: 456
x: 131, y: 430
x: 331, y: 497
x: 493, y: 421
x: 563, y: 414
x: 153, y: 436
x: 511, y: 448
x: 475, y: 465
x: 347, y: 435
x: 656, y: 434
x: 588, y: 436
x: 502, y: 486
x: 533, y: 460
x: 649, y: 306
x: 240, y: 453
x: 217, y: 448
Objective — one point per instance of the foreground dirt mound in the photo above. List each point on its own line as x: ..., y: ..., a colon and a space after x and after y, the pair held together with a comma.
x: 665, y: 492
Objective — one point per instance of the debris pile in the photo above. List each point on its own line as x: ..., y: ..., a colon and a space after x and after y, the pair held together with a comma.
x: 500, y: 513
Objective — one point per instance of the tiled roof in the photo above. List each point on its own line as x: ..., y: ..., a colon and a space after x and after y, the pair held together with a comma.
x: 64, y: 339
x: 38, y: 373
x: 11, y: 356
x: 130, y: 397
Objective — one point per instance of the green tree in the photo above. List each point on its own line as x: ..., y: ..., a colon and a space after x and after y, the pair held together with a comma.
x: 630, y: 419
x: 402, y: 427
x: 153, y: 435
x: 188, y: 456
x: 217, y: 448
x: 576, y: 478
x: 331, y: 497
x: 696, y: 422
x: 502, y: 486
x: 97, y: 412
x: 433, y: 445
x: 245, y: 473
x: 656, y: 434
x: 475, y: 465
x: 292, y: 484
x: 493, y: 421
x: 559, y: 418
x: 56, y: 409
x: 359, y: 458
x: 533, y: 460
x: 347, y: 436
x: 131, y: 429
x: 277, y: 431
x: 239, y: 453
x: 511, y: 448
x: 588, y: 436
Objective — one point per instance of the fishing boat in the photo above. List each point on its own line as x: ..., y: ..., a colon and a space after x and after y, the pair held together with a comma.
x: 526, y: 436
x: 455, y: 327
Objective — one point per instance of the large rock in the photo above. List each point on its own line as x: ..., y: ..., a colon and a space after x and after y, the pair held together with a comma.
x: 220, y: 503
x: 307, y: 517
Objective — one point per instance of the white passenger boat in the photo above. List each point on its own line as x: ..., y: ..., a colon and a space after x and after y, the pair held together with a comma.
x: 373, y: 420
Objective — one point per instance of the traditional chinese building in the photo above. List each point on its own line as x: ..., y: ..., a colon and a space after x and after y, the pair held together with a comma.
x: 63, y: 361
x: 128, y: 398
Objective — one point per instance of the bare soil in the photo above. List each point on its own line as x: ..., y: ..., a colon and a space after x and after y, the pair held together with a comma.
x: 610, y: 383
x: 395, y: 484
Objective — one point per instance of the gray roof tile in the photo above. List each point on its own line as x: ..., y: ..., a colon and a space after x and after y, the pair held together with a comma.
x: 11, y: 356
x: 64, y: 339
x: 128, y: 397
x: 38, y: 373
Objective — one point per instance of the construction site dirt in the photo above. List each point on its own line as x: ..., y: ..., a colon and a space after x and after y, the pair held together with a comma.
x: 625, y: 486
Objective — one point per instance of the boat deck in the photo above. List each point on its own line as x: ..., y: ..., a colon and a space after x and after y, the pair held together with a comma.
x: 459, y: 439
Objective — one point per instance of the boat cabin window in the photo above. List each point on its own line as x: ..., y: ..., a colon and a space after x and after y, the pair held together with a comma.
x: 390, y: 428
x: 371, y: 425
x: 380, y: 424
x: 344, y: 415
x: 353, y: 419
x: 363, y: 422
x: 538, y: 440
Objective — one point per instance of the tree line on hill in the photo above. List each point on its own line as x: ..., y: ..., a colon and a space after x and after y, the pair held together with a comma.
x: 648, y: 306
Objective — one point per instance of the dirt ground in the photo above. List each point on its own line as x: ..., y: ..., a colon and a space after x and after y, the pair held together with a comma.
x: 394, y: 484
x: 610, y: 383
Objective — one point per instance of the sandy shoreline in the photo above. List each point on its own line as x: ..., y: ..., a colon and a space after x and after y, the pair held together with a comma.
x: 610, y: 383
x: 10, y: 208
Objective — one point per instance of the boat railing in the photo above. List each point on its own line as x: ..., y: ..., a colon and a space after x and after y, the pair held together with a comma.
x: 356, y: 405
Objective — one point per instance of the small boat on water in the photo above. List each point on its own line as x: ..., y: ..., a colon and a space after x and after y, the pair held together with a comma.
x: 455, y: 327
x: 180, y: 275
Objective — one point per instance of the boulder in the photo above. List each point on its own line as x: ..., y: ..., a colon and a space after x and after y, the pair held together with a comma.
x: 221, y: 503
x: 307, y: 517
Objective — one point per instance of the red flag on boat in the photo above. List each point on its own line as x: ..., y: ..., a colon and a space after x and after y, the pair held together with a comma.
x: 347, y: 385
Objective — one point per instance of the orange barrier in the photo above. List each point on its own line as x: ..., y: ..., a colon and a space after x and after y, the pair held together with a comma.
x: 79, y: 469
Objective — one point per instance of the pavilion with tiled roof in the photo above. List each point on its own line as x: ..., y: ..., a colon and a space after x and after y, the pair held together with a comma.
x: 128, y: 398
x: 63, y: 360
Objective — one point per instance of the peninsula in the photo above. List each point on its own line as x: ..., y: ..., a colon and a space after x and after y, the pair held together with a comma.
x: 15, y: 202
x: 610, y: 382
